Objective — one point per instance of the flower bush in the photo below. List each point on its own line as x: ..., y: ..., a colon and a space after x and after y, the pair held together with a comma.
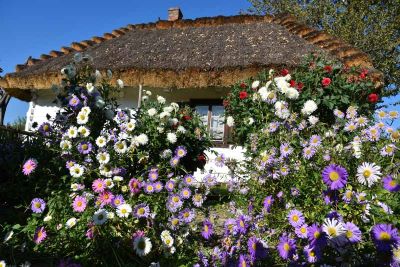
x: 311, y: 191
x: 325, y: 83
x: 126, y: 194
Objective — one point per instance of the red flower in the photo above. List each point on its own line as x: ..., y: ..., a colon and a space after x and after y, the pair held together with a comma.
x: 284, y: 72
x: 201, y: 158
x: 225, y: 103
x: 373, y: 98
x: 300, y: 86
x: 326, y: 81
x: 242, y: 94
x: 363, y: 74
x: 328, y: 68
x: 292, y: 83
x: 243, y: 85
x: 187, y: 118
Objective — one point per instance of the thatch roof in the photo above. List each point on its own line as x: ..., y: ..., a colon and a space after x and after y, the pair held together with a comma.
x: 203, y: 52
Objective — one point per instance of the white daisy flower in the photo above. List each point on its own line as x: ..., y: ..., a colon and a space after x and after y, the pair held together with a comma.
x: 76, y: 170
x: 171, y: 137
x: 47, y: 218
x: 82, y: 118
x: 72, y: 132
x: 100, y: 217
x: 130, y: 126
x: 124, y: 210
x: 292, y: 93
x: 71, y: 222
x: 142, y: 245
x: 160, y: 129
x: 174, y: 121
x: 86, y: 110
x: 152, y: 112
x: 175, y: 106
x: 164, y: 114
x: 65, y: 145
x: 168, y: 109
x: 110, y: 215
x: 74, y: 187
x: 167, y: 240
x: 368, y: 173
x: 230, y: 121
x: 106, y: 170
x: 84, y: 131
x: 141, y: 139
x: 120, y: 147
x: 101, y: 141
x: 109, y: 183
x: 103, y: 157
x: 160, y: 99
x: 147, y: 92
x: 333, y: 228
x: 313, y: 120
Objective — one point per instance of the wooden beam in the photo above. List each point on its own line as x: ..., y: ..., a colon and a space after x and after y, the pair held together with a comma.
x: 4, y: 99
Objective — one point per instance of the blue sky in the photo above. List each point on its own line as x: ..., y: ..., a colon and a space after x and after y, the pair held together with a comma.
x: 35, y: 27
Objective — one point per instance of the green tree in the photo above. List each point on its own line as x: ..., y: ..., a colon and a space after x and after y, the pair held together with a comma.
x: 18, y: 123
x: 372, y: 26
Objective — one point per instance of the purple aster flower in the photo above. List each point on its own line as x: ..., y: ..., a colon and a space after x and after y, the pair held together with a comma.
x: 170, y: 185
x: 79, y: 204
x: 285, y: 150
x: 334, y: 176
x: 29, y: 166
x: 284, y: 170
x: 315, y: 141
x: 45, y: 129
x: 296, y: 218
x: 174, y: 222
x: 185, y: 193
x: 243, y: 261
x: 149, y: 188
x: 134, y: 186
x: 347, y: 196
x: 242, y: 225
x: 326, y: 157
x: 353, y: 233
x: 390, y: 184
x: 220, y: 160
x: 209, y: 180
x: 69, y: 164
x: 256, y: 249
x: 385, y: 236
x: 153, y: 175
x: 40, y: 235
x: 85, y: 148
x: 335, y: 215
x: 302, y: 231
x: 361, y: 198
x: 119, y: 171
x: 268, y: 203
x: 294, y: 191
x: 187, y: 215
x: 311, y: 254
x: 207, y: 229
x: 174, y: 161
x: 122, y: 116
x: 38, y: 205
x: 279, y: 195
x: 188, y: 179
x: 286, y: 247
x: 74, y: 102
x: 198, y: 200
x: 309, y: 152
x: 180, y: 151
x: 118, y: 200
x: 141, y: 211
x: 174, y: 203
x: 316, y: 236
x: 230, y: 227
x: 158, y: 186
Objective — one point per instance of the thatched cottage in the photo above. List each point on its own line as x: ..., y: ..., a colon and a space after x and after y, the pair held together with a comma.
x: 191, y: 61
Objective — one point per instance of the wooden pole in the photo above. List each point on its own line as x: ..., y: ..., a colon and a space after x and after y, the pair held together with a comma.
x: 4, y: 99
x: 140, y: 96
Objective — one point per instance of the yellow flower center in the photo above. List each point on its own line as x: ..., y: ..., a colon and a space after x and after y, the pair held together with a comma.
x: 84, y: 146
x: 37, y: 205
x: 349, y: 234
x: 392, y: 183
x: 312, y: 254
x: 295, y: 218
x: 141, y: 211
x: 332, y: 231
x: 367, y: 173
x: 317, y: 234
x: 175, y: 221
x: 334, y: 176
x: 175, y: 199
x: 384, y: 236
x: 79, y: 204
x: 123, y: 211
x: 254, y: 246
x: 303, y: 230
x: 349, y: 194
x: 286, y: 247
x: 241, y: 223
x: 206, y: 228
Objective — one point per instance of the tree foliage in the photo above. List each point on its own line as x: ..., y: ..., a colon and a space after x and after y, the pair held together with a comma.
x: 372, y: 26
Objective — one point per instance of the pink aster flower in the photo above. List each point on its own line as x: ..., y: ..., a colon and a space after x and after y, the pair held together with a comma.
x: 40, y: 235
x: 79, y: 204
x: 98, y: 185
x: 29, y: 166
x: 105, y: 198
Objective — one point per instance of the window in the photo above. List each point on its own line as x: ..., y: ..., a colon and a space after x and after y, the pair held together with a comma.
x: 212, y: 116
